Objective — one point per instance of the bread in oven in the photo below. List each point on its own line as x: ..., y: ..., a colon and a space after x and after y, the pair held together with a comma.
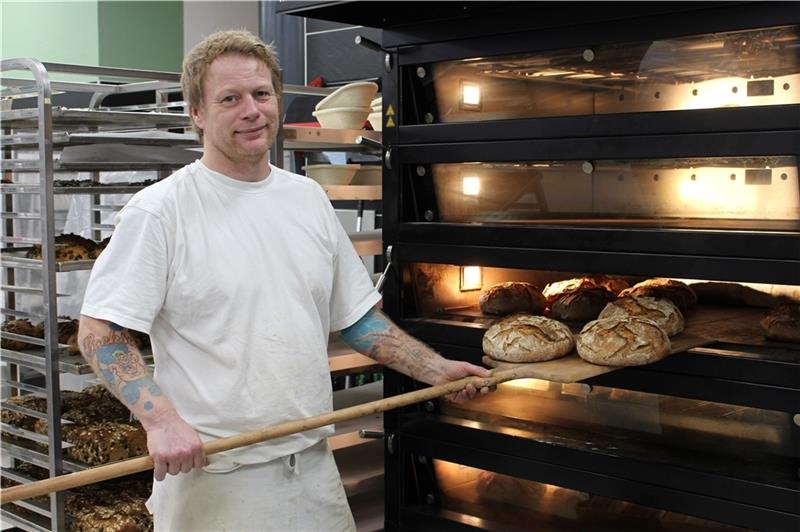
x: 511, y: 297
x: 578, y: 299
x: 661, y: 311
x: 622, y: 341
x: 676, y: 291
x: 527, y: 338
x: 782, y: 323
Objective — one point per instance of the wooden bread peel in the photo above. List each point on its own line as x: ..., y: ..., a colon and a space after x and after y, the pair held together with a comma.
x: 565, y: 370
x: 143, y: 463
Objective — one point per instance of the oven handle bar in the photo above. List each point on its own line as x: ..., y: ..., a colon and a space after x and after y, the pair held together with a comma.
x: 143, y: 463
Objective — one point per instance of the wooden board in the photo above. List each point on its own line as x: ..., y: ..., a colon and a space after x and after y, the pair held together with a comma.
x: 573, y: 368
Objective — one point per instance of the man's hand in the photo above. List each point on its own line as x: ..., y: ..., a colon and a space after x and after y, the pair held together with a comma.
x: 173, y: 445
x: 453, y: 370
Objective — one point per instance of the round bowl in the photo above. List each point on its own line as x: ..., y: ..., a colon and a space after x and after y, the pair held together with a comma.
x: 368, y: 174
x: 342, y: 117
x: 331, y: 174
x: 356, y: 94
x: 376, y: 120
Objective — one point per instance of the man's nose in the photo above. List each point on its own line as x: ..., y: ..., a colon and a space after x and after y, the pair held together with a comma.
x: 249, y: 107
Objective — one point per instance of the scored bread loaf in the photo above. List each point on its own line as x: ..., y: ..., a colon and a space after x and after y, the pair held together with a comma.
x: 676, y: 291
x: 527, y: 338
x: 622, y: 341
x: 510, y: 297
x: 661, y: 311
x: 782, y: 323
x: 581, y: 298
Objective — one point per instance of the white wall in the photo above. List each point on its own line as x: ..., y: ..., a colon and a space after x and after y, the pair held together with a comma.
x: 201, y: 18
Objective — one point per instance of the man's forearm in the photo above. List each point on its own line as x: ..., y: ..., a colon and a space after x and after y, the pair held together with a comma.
x: 113, y: 355
x: 377, y: 337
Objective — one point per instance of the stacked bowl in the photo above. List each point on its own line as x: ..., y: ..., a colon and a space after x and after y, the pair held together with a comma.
x: 374, y: 116
x: 347, y: 107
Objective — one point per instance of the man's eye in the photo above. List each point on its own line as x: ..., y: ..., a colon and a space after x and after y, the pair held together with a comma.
x: 227, y: 100
x: 263, y: 95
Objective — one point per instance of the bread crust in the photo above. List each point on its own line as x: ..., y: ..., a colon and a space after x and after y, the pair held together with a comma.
x: 581, y: 298
x: 679, y: 293
x: 661, y: 311
x: 527, y: 338
x: 782, y: 323
x: 511, y: 297
x: 622, y: 341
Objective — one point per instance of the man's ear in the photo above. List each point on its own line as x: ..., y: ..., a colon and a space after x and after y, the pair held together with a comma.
x: 197, y: 117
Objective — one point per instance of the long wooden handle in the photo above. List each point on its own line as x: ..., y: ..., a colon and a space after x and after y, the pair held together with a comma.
x: 143, y: 463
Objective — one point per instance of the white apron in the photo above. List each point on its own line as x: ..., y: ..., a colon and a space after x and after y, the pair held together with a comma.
x: 300, y: 492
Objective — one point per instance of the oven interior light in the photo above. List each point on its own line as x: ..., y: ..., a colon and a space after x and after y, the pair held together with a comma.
x: 471, y: 186
x: 470, y: 95
x: 471, y: 278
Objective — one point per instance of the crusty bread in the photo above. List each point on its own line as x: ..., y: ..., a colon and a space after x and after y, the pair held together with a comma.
x: 581, y: 298
x: 581, y: 306
x: 677, y: 292
x: 622, y: 341
x: 661, y: 311
x: 782, y: 323
x: 68, y: 247
x: 513, y: 296
x: 21, y: 326
x: 527, y: 338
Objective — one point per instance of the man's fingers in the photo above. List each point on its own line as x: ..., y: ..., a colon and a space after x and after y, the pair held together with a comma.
x: 159, y: 468
x: 200, y: 459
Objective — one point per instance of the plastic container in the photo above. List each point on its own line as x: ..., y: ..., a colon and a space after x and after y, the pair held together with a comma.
x: 342, y: 117
x: 332, y: 174
x: 358, y: 94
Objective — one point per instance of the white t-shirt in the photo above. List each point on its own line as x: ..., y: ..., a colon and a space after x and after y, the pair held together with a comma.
x: 238, y: 285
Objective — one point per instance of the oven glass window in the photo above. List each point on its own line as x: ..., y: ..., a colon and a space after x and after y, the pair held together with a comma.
x: 734, y: 69
x: 732, y: 193
x: 493, y: 501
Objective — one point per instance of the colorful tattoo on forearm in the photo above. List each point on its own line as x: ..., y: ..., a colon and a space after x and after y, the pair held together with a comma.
x: 377, y: 337
x: 119, y: 363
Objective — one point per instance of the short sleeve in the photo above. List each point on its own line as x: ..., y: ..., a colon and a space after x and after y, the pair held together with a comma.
x: 128, y: 283
x: 353, y: 293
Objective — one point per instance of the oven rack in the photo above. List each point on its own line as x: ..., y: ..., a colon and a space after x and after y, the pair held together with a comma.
x: 88, y: 188
x: 139, y: 138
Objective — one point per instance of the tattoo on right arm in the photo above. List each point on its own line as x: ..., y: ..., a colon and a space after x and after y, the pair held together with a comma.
x: 116, y: 360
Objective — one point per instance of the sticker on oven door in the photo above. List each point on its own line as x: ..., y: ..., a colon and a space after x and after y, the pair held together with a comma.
x: 389, y: 115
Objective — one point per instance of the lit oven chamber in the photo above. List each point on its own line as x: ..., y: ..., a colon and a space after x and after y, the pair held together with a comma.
x: 755, y: 67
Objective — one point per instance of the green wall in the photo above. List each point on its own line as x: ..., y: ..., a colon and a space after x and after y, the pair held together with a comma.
x: 116, y: 33
x: 145, y: 35
x: 60, y: 32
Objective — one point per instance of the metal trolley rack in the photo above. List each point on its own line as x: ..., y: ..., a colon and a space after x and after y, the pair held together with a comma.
x: 45, y: 130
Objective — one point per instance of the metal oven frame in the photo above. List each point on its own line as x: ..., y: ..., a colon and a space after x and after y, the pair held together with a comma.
x: 768, y: 380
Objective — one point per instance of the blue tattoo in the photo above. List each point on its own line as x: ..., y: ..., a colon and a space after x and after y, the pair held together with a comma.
x: 362, y: 335
x: 148, y: 406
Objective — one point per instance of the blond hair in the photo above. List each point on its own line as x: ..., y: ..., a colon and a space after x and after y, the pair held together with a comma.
x: 199, y: 59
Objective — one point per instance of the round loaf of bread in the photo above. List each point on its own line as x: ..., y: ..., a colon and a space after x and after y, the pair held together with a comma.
x: 511, y: 297
x: 623, y: 341
x: 661, y: 311
x: 581, y: 306
x: 783, y: 323
x: 527, y: 338
x: 676, y: 291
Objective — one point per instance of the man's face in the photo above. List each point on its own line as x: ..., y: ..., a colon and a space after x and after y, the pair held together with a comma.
x: 239, y: 114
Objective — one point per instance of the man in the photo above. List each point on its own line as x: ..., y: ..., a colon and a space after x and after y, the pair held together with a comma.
x: 238, y: 270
